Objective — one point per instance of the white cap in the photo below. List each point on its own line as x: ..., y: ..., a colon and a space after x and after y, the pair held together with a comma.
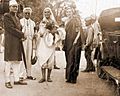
x: 27, y: 9
x: 13, y: 2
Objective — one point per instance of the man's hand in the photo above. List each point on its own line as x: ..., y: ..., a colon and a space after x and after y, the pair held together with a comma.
x: 35, y: 36
x: 24, y: 38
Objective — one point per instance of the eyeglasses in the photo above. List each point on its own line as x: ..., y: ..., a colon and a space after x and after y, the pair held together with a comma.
x: 15, y: 6
x: 27, y: 13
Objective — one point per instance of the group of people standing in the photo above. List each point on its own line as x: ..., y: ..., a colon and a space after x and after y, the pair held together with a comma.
x: 19, y: 36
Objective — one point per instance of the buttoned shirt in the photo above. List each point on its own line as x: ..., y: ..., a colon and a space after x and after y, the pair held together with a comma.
x: 28, y: 26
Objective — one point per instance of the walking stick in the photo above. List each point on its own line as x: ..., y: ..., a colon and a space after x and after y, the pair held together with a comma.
x: 23, y: 53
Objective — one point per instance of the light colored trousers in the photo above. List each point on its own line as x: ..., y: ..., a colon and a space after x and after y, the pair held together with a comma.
x: 28, y: 52
x: 22, y: 72
x: 1, y: 42
x: 14, y: 66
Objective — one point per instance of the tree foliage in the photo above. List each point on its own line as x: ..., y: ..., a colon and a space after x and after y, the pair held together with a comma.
x: 37, y: 7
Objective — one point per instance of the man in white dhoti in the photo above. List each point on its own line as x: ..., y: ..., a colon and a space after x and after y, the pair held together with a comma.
x: 28, y: 28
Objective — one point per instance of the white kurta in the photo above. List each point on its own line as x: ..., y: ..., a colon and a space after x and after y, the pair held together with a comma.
x: 28, y: 30
x: 46, y: 48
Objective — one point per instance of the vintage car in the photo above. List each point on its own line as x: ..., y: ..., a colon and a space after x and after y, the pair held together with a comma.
x: 109, y: 58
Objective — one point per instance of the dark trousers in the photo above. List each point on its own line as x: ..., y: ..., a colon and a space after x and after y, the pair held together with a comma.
x: 97, y: 54
x: 90, y: 65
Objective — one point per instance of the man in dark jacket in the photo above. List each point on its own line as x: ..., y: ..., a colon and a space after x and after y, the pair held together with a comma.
x: 13, y: 44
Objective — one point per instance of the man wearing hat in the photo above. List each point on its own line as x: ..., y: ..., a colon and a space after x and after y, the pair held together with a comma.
x: 13, y: 44
x: 28, y: 28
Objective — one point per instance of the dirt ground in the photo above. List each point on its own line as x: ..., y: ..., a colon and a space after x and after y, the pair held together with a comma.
x: 88, y: 84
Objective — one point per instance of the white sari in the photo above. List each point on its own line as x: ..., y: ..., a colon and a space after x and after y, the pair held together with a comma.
x: 46, y: 47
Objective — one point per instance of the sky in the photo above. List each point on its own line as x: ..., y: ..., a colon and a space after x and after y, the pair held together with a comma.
x: 88, y: 7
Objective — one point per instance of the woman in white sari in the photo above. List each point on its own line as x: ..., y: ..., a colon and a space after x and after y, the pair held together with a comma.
x: 47, y: 39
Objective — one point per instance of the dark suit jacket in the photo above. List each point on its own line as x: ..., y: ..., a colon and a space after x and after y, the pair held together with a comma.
x: 13, y: 35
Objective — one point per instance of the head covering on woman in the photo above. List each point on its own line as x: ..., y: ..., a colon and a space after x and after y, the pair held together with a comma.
x: 48, y: 37
x: 51, y: 15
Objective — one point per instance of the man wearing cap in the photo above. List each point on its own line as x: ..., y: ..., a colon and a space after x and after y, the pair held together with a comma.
x: 13, y: 44
x: 28, y: 28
